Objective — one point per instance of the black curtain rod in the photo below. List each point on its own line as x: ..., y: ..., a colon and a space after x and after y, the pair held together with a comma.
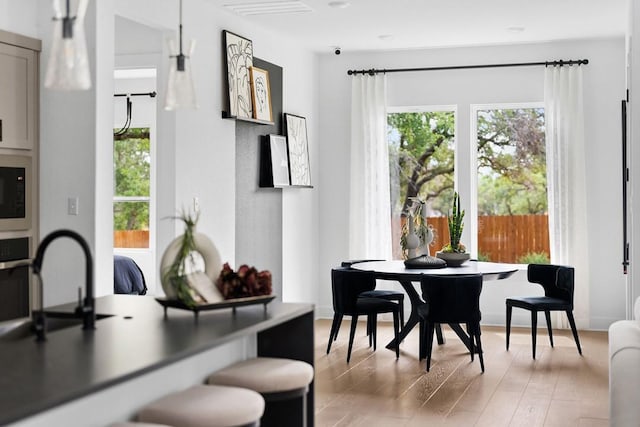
x: 560, y: 63
x: 151, y: 94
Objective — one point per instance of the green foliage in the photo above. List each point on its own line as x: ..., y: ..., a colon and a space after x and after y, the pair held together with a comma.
x: 132, y: 176
x: 484, y: 257
x: 534, y: 258
x: 421, y: 153
x: 511, y: 162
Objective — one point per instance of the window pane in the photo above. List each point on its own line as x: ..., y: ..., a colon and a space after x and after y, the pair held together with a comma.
x: 131, y: 168
x: 131, y: 224
x: 132, y: 163
x: 512, y: 186
x: 421, y: 164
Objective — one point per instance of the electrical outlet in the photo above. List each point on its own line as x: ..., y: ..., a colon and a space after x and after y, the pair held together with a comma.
x: 72, y: 205
x: 196, y: 204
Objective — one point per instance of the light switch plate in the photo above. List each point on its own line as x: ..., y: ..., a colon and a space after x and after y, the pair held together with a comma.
x: 72, y: 205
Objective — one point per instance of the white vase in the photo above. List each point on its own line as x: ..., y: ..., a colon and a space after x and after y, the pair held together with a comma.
x: 206, y: 249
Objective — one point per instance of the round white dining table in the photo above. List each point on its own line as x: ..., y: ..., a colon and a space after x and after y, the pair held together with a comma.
x: 396, y: 270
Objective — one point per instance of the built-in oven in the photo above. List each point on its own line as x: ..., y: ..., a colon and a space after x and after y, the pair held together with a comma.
x: 15, y: 192
x: 15, y: 284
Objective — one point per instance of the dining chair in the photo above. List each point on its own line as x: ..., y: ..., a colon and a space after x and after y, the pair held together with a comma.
x: 558, y: 284
x: 451, y: 299
x: 347, y: 285
x: 397, y: 296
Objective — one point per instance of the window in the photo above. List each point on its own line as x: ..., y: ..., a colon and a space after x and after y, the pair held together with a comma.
x: 512, y: 184
x: 132, y: 185
x: 507, y: 220
x: 421, y: 164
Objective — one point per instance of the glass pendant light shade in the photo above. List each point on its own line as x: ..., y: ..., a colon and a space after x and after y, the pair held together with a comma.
x: 181, y: 92
x: 68, y: 67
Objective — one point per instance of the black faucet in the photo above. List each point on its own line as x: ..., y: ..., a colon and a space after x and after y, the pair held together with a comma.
x: 86, y: 308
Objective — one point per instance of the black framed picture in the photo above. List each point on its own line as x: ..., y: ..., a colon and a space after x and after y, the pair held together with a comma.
x: 239, y: 56
x: 298, y: 149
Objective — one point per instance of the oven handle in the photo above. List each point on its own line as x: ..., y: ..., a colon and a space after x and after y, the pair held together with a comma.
x: 13, y: 264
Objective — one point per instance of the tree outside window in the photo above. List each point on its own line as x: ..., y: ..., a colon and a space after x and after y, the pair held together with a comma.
x: 511, y: 191
x: 512, y: 185
x: 132, y: 170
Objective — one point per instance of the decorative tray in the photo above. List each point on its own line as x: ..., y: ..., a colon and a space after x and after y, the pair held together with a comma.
x: 424, y: 261
x: 230, y: 303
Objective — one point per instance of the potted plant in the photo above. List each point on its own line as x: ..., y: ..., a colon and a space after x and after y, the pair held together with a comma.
x: 454, y: 252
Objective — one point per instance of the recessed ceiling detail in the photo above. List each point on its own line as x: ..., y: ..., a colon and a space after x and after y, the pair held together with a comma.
x: 269, y: 8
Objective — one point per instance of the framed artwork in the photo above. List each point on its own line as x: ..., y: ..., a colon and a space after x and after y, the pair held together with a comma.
x: 239, y: 62
x: 298, y: 147
x: 261, y: 94
x: 279, y: 160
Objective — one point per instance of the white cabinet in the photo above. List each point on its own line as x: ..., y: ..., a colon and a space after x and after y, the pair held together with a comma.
x: 18, y: 97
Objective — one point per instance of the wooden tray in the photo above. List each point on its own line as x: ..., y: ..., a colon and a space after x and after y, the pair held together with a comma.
x: 230, y: 303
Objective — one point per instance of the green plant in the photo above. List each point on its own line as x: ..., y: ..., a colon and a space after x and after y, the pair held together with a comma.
x: 484, y: 257
x: 456, y: 225
x: 534, y: 258
x: 176, y: 274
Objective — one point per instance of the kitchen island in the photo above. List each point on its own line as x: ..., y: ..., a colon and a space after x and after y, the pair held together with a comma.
x: 136, y: 355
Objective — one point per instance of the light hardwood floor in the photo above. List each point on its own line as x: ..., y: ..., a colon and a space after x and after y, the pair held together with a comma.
x: 559, y: 388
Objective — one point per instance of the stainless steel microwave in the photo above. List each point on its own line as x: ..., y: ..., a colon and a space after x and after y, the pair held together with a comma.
x: 15, y: 192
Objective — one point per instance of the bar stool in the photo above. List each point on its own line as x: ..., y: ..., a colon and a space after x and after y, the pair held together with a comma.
x: 134, y: 424
x: 281, y: 382
x: 206, y: 406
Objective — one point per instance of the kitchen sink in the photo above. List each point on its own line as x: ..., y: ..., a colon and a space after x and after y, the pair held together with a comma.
x: 55, y: 321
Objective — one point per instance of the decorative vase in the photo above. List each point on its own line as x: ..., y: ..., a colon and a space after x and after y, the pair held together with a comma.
x: 453, y: 259
x: 413, y: 241
x: 206, y: 249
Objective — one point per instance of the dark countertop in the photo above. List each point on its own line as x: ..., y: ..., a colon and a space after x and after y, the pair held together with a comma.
x: 72, y: 363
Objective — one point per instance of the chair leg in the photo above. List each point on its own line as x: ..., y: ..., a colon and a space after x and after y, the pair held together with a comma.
x: 369, y: 334
x: 335, y: 335
x: 430, y: 329
x: 470, y: 332
x: 334, y: 330
x: 396, y: 328
x: 401, y: 303
x: 547, y: 316
x: 374, y: 329
x: 572, y: 322
x: 509, y: 309
x: 421, y: 340
x: 479, y: 346
x: 439, y: 336
x: 534, y: 330
x: 354, y: 323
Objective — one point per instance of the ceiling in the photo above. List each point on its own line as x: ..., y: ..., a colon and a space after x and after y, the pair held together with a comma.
x: 404, y: 24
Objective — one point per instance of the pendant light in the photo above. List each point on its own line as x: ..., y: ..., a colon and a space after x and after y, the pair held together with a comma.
x: 68, y: 67
x: 180, y: 90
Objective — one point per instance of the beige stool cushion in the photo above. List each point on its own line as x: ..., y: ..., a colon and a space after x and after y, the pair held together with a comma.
x: 133, y: 424
x: 205, y: 406
x: 265, y: 375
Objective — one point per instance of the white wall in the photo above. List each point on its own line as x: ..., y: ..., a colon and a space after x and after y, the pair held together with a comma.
x: 20, y: 17
x: 604, y: 88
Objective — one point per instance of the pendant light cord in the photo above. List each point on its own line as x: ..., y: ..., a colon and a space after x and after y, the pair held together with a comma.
x: 180, y: 61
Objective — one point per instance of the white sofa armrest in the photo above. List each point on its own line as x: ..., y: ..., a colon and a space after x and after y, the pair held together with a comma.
x: 624, y: 373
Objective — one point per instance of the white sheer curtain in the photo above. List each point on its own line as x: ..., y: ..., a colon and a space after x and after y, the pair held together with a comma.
x: 566, y: 181
x: 369, y: 199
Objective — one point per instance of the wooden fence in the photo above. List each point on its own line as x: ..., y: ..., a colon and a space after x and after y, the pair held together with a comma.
x: 500, y: 238
x: 131, y: 238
